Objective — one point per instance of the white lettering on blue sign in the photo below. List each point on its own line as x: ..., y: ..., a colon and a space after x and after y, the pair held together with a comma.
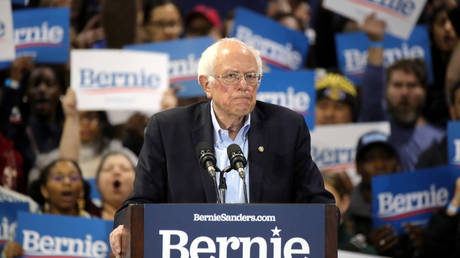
x: 39, y: 34
x: 270, y: 49
x: 356, y: 60
x: 7, y: 229
x: 181, y: 67
x: 299, y: 101
x: 404, y: 7
x: 391, y: 205
x: 457, y: 151
x: 35, y: 244
x: 92, y: 79
x: 204, y: 244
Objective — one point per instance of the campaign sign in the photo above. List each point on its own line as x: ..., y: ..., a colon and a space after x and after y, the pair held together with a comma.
x: 453, y: 142
x: 333, y: 147
x: 294, y: 90
x: 7, y: 52
x: 238, y: 230
x: 352, y: 49
x: 42, y: 33
x: 411, y: 197
x: 8, y: 223
x: 44, y: 235
x: 20, y: 2
x: 119, y: 79
x: 184, y: 55
x: 280, y: 47
x: 95, y: 195
x: 400, y: 15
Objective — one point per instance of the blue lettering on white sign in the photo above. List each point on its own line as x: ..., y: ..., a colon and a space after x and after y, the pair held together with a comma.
x: 92, y: 79
x: 404, y: 7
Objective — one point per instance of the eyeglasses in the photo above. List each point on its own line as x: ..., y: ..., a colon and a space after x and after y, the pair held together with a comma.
x: 233, y: 78
x: 60, y: 178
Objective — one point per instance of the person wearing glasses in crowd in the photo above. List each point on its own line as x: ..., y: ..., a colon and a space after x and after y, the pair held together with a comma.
x: 59, y: 190
x: 274, y: 139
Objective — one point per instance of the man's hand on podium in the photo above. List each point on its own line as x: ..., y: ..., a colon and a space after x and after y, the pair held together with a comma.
x: 116, y: 242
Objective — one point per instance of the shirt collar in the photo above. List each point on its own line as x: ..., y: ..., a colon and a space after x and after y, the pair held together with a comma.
x: 219, y: 132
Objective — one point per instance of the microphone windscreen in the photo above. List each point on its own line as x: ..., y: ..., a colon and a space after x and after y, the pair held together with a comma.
x: 202, y: 146
x: 232, y: 149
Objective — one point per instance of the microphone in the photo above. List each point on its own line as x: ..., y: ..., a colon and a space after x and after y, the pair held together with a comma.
x: 205, y: 154
x: 237, y: 159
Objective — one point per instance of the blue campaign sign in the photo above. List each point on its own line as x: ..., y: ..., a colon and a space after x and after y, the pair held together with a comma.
x: 352, y: 51
x: 411, y: 197
x: 280, y: 48
x: 43, y: 235
x: 42, y: 33
x: 95, y: 195
x: 184, y: 55
x: 189, y: 230
x: 294, y: 90
x: 453, y: 142
x: 8, y: 220
x: 20, y: 2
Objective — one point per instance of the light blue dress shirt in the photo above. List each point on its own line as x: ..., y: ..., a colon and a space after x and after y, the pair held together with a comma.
x: 235, y: 193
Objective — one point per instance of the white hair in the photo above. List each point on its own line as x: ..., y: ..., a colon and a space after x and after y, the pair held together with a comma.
x: 209, y: 56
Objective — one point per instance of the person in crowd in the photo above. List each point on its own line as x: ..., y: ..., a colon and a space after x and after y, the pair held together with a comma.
x: 442, y: 235
x: 289, y: 21
x: 277, y: 6
x: 340, y: 185
x: 400, y: 102
x: 86, y: 137
x: 114, y: 180
x: 203, y: 21
x: 30, y: 112
x: 436, y: 154
x: 376, y: 156
x: 229, y: 72
x: 228, y: 23
x: 335, y: 100
x: 444, y: 39
x: 163, y: 21
x: 60, y: 190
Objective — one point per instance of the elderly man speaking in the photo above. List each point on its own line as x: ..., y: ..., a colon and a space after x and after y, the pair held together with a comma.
x: 274, y: 141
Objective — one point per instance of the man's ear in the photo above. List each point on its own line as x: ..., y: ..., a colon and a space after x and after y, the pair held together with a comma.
x: 205, y: 84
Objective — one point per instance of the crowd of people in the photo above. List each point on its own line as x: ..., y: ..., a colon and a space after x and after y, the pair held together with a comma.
x: 48, y: 148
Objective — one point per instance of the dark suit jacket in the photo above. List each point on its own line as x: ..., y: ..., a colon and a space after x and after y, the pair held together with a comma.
x: 168, y: 169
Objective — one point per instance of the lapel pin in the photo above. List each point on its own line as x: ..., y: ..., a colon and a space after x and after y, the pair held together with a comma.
x: 260, y: 148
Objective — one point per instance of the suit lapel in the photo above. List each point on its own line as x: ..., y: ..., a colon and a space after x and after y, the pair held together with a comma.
x: 202, y: 131
x: 258, y: 138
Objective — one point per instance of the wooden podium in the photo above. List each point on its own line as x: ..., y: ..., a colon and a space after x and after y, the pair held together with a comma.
x: 148, y: 225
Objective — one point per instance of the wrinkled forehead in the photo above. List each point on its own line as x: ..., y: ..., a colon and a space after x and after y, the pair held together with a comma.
x: 233, y: 55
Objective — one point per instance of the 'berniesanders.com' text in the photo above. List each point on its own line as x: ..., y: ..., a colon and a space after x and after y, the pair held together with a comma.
x: 237, y: 218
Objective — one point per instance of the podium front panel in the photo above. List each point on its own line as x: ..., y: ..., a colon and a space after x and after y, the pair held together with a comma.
x: 256, y: 230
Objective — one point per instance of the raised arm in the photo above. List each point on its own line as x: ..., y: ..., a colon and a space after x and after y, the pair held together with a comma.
x: 69, y: 145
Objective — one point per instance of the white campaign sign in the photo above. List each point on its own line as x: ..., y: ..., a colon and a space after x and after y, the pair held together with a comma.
x: 333, y: 147
x: 399, y: 15
x: 7, y: 50
x: 119, y: 79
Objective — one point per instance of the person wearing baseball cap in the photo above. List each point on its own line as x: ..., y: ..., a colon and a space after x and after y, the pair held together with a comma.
x: 376, y: 156
x: 203, y: 21
x: 335, y: 100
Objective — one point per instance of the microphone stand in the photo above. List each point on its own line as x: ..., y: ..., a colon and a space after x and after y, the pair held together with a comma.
x: 214, y: 180
x: 223, y: 183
